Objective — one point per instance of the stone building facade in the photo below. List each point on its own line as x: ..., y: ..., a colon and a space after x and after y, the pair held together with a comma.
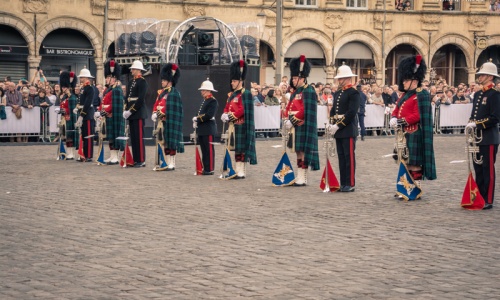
x: 369, y: 35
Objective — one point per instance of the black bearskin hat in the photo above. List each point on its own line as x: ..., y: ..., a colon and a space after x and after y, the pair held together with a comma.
x: 170, y: 72
x: 300, y: 66
x: 112, y: 68
x: 67, y: 79
x: 238, y: 70
x: 412, y: 67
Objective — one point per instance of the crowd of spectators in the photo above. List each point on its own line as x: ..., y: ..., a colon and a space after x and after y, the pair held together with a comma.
x: 385, y: 96
x: 38, y: 92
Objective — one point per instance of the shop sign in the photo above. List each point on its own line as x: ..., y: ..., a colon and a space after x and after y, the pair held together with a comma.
x: 14, y: 50
x: 68, y: 52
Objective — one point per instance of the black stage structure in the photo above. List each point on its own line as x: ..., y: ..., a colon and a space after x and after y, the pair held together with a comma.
x: 201, y: 53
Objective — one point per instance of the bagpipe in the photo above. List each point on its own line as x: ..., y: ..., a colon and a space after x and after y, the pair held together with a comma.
x: 102, y: 135
x: 284, y: 174
x: 61, y: 150
x: 127, y: 160
x: 198, y: 170
x: 226, y: 170
x: 406, y: 187
x: 329, y: 182
x: 472, y: 198
x: 160, y: 160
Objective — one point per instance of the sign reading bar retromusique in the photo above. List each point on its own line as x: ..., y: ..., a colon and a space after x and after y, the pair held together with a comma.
x: 71, y: 52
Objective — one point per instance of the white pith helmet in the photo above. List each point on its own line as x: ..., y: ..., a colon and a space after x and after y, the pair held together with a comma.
x: 344, y: 71
x: 85, y: 73
x: 137, y: 64
x: 488, y: 68
x: 207, y: 85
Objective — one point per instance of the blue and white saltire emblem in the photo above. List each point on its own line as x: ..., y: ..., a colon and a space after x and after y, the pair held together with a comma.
x: 228, y: 166
x: 405, y: 185
x: 161, y: 157
x: 61, y: 151
x: 100, y: 157
x: 283, y: 175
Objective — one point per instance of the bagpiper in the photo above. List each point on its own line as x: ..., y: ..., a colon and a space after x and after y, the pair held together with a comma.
x: 168, y: 110
x: 135, y: 112
x: 111, y: 110
x: 413, y: 115
x: 239, y: 113
x: 301, y: 112
x: 484, y: 118
x: 69, y: 101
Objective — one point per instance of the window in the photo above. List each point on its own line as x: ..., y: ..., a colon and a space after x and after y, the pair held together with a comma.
x: 451, y: 5
x: 306, y: 3
x: 356, y: 3
x: 403, y: 5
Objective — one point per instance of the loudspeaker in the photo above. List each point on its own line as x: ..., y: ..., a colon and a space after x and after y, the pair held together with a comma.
x: 187, y: 55
x: 205, y: 58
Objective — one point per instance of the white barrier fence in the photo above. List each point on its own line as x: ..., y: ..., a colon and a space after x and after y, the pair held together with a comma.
x: 454, y: 115
x: 266, y: 119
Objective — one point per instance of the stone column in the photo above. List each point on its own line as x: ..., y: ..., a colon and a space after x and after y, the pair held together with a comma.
x: 334, y: 4
x: 99, y: 76
x: 432, y: 5
x: 330, y: 73
x: 33, y: 63
x: 479, y: 6
x: 472, y: 74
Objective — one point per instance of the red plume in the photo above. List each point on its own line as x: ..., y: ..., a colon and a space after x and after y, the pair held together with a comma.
x: 302, y: 61
x: 242, y: 64
x: 112, y: 66
x: 174, y: 69
x: 418, y: 59
x: 71, y: 76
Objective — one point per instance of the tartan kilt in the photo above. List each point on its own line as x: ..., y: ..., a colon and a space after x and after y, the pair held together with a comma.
x: 414, y: 142
x: 300, y: 138
x: 113, y: 130
x: 240, y: 138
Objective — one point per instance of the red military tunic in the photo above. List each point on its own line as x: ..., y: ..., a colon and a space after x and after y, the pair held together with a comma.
x: 65, y: 106
x: 408, y: 111
x: 295, y: 108
x: 160, y: 106
x: 235, y: 107
x: 107, y: 104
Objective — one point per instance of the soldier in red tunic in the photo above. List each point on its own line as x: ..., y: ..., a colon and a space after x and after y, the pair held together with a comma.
x: 414, y: 114
x: 301, y: 115
x: 111, y: 110
x: 239, y: 113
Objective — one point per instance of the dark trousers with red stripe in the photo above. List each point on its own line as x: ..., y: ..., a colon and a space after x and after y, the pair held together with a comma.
x: 485, y: 172
x: 347, y: 160
x: 137, y: 140
x: 88, y: 127
x: 207, y: 152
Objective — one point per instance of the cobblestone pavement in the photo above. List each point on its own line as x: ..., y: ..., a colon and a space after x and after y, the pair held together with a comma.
x: 79, y: 231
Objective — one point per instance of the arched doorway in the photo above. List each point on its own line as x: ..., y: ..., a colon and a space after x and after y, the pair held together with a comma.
x: 493, y: 53
x: 397, y: 54
x: 13, y: 54
x: 66, y: 49
x: 359, y: 58
x: 314, y: 54
x: 267, y: 63
x: 450, y: 64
